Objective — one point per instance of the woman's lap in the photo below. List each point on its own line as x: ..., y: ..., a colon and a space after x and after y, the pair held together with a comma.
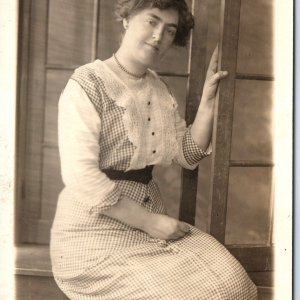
x: 194, y: 267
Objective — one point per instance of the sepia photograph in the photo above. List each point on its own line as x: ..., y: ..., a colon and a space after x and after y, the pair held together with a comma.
x: 146, y: 149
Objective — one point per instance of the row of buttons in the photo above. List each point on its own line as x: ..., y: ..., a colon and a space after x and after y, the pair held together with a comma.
x: 153, y: 133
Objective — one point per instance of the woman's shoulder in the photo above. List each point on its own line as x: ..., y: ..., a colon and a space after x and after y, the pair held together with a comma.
x: 93, y: 77
x: 89, y: 70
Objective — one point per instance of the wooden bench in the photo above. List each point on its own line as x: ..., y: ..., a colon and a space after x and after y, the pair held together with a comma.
x: 34, y: 278
x: 33, y: 275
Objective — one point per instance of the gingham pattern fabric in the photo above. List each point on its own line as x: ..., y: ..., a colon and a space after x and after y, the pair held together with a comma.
x: 189, y: 146
x: 133, y: 111
x: 97, y: 257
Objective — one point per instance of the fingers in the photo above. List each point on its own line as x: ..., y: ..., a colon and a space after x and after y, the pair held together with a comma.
x: 184, y: 227
x: 217, y: 76
x: 213, y: 63
x: 211, y: 85
x: 177, y: 235
x: 217, y: 48
x: 182, y: 230
x: 214, y: 56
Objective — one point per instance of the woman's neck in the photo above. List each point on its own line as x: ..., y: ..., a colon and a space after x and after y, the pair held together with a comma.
x: 128, y: 64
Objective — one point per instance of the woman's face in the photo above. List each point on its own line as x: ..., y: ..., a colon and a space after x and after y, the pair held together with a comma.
x: 149, y: 34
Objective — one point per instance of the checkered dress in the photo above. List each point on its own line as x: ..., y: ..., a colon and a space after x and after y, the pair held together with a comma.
x: 106, y: 123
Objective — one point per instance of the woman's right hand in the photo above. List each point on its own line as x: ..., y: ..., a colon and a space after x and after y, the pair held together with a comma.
x: 165, y: 228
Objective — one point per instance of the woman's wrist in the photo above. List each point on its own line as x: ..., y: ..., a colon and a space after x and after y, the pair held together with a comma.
x: 147, y: 221
x: 129, y: 212
x: 206, y: 106
x: 201, y: 129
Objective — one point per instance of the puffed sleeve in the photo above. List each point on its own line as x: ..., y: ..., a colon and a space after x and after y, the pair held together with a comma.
x: 189, y: 153
x: 78, y: 135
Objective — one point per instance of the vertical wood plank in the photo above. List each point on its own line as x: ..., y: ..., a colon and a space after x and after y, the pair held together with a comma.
x: 195, y: 84
x: 230, y: 19
x: 70, y: 28
x: 35, y: 110
x: 37, y: 288
x: 21, y: 114
x: 95, y: 33
x: 110, y: 31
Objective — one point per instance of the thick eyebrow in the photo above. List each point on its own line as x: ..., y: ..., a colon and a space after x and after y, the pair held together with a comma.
x: 159, y: 19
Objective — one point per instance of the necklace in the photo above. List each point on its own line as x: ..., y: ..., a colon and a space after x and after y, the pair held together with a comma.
x: 125, y: 70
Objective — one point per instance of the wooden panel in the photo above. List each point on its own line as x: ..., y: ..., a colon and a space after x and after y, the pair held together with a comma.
x: 203, y: 204
x: 175, y: 61
x: 33, y: 259
x: 196, y: 82
x: 252, y: 126
x: 51, y: 183
x: 37, y: 231
x: 21, y: 113
x: 56, y: 81
x: 265, y: 293
x: 34, y: 278
x: 110, y: 31
x: 37, y: 288
x: 262, y: 278
x: 223, y: 117
x: 35, y: 108
x: 254, y: 259
x: 255, y: 54
x: 70, y: 31
x: 249, y: 194
x: 213, y: 30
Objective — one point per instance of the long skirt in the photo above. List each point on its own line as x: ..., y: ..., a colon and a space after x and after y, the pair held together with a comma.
x: 97, y: 257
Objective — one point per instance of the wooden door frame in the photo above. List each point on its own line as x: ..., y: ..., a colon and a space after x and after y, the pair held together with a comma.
x: 21, y: 113
x: 197, y: 74
x: 254, y: 258
x: 258, y: 260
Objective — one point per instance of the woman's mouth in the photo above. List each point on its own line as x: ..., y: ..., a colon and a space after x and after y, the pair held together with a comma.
x: 153, y: 47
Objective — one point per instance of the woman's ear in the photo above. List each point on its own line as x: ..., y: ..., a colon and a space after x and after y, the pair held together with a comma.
x: 125, y: 23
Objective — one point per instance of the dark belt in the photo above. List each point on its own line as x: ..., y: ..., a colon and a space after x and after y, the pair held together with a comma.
x: 143, y: 175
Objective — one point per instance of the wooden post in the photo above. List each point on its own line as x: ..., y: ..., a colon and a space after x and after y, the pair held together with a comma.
x: 195, y: 84
x: 229, y: 35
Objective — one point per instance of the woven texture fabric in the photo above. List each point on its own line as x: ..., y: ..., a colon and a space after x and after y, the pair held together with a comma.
x: 189, y: 146
x: 132, y: 113
x: 97, y: 257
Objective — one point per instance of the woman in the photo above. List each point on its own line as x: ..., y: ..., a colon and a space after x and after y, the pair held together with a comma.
x: 111, y: 238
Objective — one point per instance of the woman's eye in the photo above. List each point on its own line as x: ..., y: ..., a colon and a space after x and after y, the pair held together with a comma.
x: 171, y: 32
x: 152, y: 22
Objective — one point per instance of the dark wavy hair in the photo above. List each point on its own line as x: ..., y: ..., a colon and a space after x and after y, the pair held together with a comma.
x: 125, y: 8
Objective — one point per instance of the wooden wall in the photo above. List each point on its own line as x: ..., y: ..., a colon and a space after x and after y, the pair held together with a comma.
x: 61, y: 39
x: 59, y: 35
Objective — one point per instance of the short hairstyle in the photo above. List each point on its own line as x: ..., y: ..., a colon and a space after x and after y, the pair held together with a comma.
x: 125, y: 8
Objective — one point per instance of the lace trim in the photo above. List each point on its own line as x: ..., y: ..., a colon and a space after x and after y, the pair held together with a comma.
x: 164, y: 107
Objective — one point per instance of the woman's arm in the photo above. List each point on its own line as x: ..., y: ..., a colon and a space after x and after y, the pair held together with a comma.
x: 156, y: 225
x: 201, y: 129
x: 78, y: 134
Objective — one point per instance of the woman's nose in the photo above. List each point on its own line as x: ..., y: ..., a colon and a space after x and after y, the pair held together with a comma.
x: 157, y: 34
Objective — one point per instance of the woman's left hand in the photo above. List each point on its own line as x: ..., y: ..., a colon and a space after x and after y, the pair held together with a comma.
x: 212, y: 78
